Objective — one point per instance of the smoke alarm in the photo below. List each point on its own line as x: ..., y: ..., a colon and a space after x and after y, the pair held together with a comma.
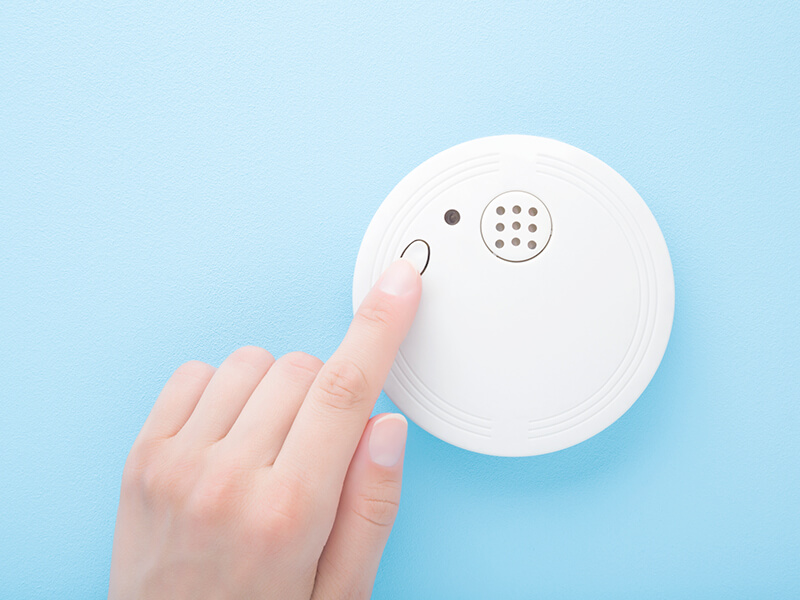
x: 547, y: 300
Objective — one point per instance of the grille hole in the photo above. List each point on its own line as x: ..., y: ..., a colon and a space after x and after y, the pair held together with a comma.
x: 531, y: 227
x: 500, y: 227
x: 515, y: 225
x: 517, y: 210
x: 499, y: 243
x: 501, y: 210
x: 531, y: 244
x: 532, y: 211
x: 515, y: 241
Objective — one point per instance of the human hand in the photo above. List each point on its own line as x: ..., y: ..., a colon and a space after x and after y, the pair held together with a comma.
x: 266, y: 478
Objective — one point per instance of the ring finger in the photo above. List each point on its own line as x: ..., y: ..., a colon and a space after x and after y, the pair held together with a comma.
x: 265, y: 420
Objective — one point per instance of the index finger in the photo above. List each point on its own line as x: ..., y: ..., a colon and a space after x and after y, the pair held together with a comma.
x: 329, y: 424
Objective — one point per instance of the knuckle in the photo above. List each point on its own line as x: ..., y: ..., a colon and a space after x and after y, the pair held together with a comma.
x: 159, y: 478
x: 132, y: 477
x: 378, y: 510
x: 142, y: 451
x: 195, y: 369
x: 288, y: 509
x: 137, y: 464
x: 203, y: 507
x: 163, y: 485
x: 156, y: 482
x: 218, y: 495
x: 301, y: 366
x: 277, y: 530
x: 343, y: 384
x: 252, y: 356
x: 377, y: 312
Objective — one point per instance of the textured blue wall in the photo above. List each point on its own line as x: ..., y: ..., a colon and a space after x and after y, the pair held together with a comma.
x: 177, y: 181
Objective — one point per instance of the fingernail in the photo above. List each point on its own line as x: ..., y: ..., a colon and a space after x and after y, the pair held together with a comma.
x: 388, y: 439
x: 399, y: 279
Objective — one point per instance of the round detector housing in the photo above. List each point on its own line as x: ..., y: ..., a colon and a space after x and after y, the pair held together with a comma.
x: 548, y: 294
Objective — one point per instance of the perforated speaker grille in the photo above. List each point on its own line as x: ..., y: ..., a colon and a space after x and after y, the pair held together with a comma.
x: 516, y: 226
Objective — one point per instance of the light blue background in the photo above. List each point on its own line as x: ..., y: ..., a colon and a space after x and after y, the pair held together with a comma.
x: 178, y: 181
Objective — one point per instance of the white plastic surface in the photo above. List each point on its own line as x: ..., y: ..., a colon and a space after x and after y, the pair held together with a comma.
x: 521, y: 351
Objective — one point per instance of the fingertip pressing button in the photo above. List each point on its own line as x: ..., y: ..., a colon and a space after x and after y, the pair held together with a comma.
x: 418, y: 253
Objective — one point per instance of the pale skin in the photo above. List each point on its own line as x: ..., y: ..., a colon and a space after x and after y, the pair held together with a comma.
x: 267, y: 478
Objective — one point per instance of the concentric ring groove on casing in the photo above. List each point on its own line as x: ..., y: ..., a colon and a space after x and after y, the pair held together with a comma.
x: 538, y: 428
x: 430, y: 407
x: 454, y: 411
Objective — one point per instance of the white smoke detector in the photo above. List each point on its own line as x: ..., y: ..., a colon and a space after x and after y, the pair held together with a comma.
x: 547, y: 297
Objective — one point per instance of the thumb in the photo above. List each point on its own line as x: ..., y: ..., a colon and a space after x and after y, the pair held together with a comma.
x: 367, y: 509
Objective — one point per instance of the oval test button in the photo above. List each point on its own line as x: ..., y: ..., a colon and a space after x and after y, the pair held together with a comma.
x: 418, y: 253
